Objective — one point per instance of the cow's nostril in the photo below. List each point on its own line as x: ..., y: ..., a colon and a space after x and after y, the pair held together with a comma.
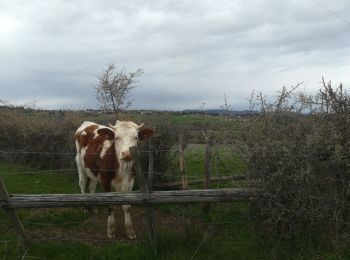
x: 125, y: 155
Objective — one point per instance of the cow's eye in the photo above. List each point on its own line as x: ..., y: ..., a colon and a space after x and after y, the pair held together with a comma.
x: 136, y: 137
x: 116, y: 138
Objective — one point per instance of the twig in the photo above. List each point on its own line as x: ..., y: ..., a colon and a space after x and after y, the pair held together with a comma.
x: 197, y: 248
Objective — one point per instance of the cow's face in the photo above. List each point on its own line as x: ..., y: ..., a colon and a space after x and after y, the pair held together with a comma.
x: 126, y: 134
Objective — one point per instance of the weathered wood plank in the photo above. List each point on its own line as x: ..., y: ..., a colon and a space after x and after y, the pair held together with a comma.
x: 138, y: 168
x: 135, y: 198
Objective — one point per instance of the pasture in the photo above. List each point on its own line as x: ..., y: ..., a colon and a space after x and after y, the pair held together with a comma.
x: 183, y: 231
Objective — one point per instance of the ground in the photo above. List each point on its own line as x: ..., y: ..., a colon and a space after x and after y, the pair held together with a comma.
x: 91, y: 227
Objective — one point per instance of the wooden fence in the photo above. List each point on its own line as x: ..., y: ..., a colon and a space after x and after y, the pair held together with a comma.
x: 18, y: 201
x: 144, y: 197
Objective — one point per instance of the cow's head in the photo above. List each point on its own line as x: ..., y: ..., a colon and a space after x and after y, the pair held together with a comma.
x: 125, y: 134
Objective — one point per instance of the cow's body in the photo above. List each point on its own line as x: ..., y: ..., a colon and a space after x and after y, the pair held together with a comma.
x: 103, y: 156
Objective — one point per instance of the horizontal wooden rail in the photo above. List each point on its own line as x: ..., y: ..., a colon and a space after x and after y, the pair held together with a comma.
x: 113, y: 198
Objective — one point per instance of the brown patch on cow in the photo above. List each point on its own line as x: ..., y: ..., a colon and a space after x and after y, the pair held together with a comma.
x: 93, y: 150
x: 105, y: 167
x: 108, y: 168
x: 84, y: 140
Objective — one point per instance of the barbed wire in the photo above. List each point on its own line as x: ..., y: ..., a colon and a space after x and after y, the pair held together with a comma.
x: 59, y: 171
x: 74, y: 153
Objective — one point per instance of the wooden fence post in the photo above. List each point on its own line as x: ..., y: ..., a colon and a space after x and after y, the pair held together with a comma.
x: 182, y: 162
x: 206, y: 180
x: 251, y: 177
x: 12, y: 215
x: 150, y: 164
x: 145, y: 189
x: 208, y: 149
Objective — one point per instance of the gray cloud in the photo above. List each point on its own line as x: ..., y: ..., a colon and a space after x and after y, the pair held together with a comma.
x: 191, y: 51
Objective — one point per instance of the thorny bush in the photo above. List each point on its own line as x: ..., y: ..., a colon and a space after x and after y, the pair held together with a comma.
x: 298, y: 152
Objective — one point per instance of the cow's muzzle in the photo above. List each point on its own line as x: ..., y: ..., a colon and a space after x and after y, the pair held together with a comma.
x: 125, y: 156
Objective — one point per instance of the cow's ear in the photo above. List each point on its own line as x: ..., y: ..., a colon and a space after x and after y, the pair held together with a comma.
x: 106, y: 133
x: 145, y: 133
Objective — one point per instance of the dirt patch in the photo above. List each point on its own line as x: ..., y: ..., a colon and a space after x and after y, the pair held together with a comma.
x: 93, y: 230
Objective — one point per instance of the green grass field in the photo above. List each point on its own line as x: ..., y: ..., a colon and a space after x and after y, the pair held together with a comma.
x: 183, y: 231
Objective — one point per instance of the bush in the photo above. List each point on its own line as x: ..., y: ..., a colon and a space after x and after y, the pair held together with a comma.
x: 298, y: 154
x: 39, y: 138
x: 163, y: 142
x: 46, y: 139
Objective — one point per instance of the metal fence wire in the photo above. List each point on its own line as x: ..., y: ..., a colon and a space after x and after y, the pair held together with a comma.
x: 195, y: 177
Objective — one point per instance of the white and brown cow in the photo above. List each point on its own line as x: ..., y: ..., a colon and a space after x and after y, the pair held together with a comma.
x: 103, y: 156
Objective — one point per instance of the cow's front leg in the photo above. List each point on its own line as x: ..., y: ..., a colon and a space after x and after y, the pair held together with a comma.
x: 127, y: 185
x: 129, y: 227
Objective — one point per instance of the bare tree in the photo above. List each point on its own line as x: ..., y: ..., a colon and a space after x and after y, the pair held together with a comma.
x: 226, y: 107
x: 114, y: 87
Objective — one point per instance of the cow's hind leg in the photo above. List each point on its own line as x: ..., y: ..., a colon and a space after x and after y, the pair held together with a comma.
x: 91, y: 186
x: 83, y: 178
x: 86, y: 184
x: 111, y: 226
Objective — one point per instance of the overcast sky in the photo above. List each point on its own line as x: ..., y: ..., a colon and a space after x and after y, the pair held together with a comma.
x: 191, y: 51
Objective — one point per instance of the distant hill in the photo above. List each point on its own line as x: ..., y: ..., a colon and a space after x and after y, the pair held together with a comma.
x: 219, y: 112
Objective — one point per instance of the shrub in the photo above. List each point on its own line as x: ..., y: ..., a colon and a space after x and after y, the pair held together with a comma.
x: 39, y: 138
x: 298, y: 153
x: 46, y: 139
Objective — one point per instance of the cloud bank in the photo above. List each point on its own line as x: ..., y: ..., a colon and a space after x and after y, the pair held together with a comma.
x: 191, y: 51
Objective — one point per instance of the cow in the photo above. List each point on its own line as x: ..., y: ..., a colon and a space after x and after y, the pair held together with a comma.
x: 103, y: 156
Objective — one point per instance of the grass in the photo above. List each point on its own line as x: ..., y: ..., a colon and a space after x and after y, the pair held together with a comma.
x: 224, y: 162
x: 227, y: 238
x: 24, y: 179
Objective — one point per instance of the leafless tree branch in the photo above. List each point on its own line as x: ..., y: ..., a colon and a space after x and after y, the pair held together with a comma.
x: 113, y: 88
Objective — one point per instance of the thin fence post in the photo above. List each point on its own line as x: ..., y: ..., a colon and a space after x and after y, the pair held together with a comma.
x: 206, y: 180
x: 12, y: 215
x: 182, y: 162
x: 208, y: 152
x: 145, y: 189
x: 150, y: 164
x: 251, y: 177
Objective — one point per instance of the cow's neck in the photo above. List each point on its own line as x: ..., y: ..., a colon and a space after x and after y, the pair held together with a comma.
x: 125, y: 167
